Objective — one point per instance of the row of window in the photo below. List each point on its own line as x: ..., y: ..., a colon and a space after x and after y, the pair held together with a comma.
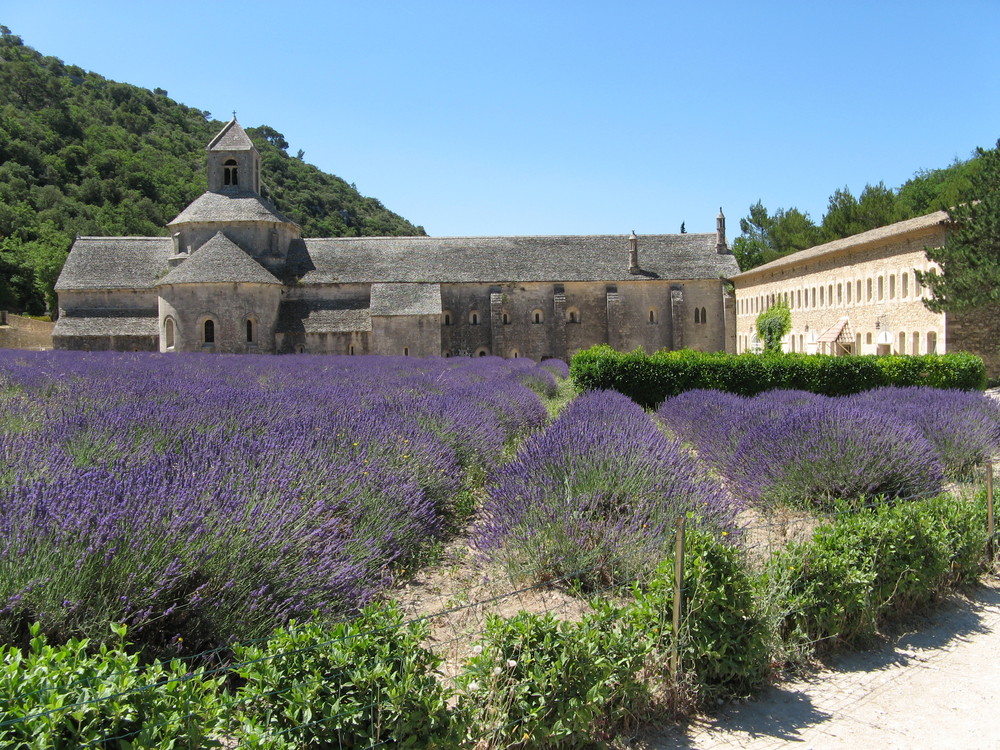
x: 905, y: 344
x: 856, y: 291
x: 206, y: 331
x: 572, y: 316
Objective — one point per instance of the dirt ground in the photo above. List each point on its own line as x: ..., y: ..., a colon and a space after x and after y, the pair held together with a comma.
x: 934, y: 688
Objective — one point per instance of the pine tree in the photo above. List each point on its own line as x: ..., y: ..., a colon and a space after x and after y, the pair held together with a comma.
x: 969, y: 260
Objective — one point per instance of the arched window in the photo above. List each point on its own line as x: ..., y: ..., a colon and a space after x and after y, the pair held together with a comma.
x: 902, y: 343
x: 506, y: 319
x: 652, y: 315
x: 447, y: 318
x: 573, y: 315
x: 932, y: 342
x: 697, y: 315
x: 514, y: 354
x: 208, y: 332
x: 474, y: 318
x: 249, y: 331
x: 915, y: 349
x: 482, y: 354
x: 537, y: 316
x: 704, y: 316
x: 168, y: 333
x: 406, y: 351
x: 230, y: 173
x: 352, y: 350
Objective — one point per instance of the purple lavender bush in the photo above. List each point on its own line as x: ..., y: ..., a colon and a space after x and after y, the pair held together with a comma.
x: 963, y: 426
x: 829, y: 450
x: 202, y: 499
x: 594, y: 497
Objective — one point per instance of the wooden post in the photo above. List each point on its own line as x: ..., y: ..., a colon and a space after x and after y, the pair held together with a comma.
x: 990, y: 529
x: 675, y: 656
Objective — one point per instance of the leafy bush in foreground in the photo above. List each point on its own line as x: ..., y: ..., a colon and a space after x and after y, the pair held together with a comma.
x: 724, y: 643
x: 364, y: 683
x: 538, y: 682
x: 594, y: 497
x: 872, y: 565
x: 65, y: 697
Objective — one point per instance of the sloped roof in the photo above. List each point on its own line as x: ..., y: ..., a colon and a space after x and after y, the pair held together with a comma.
x: 115, y: 263
x: 512, y: 259
x: 107, y: 322
x: 219, y: 260
x: 839, y: 331
x: 323, y: 316
x: 405, y: 299
x: 880, y: 235
x: 230, y: 206
x: 232, y: 137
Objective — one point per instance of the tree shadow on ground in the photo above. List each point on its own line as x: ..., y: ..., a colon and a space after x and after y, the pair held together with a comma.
x: 791, y: 711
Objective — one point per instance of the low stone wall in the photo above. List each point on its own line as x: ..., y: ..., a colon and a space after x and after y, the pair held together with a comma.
x: 25, y: 333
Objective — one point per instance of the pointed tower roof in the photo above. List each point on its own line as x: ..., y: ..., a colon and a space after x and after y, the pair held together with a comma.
x: 219, y: 260
x: 232, y: 137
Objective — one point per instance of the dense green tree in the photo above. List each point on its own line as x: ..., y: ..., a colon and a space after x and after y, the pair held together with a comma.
x: 772, y: 325
x: 82, y: 155
x: 969, y: 260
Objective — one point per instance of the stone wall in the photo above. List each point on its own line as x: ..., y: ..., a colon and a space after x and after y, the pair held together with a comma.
x: 25, y: 333
x: 977, y: 331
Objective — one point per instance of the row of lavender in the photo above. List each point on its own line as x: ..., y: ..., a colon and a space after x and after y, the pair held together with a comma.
x: 793, y: 447
x: 211, y: 498
x: 595, y: 497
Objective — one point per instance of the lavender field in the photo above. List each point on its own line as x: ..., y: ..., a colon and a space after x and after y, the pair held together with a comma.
x: 206, y: 499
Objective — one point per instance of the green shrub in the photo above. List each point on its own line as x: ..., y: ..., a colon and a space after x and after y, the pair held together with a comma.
x: 538, y: 682
x: 62, y: 697
x: 356, y: 684
x: 724, y: 643
x: 649, y: 379
x: 872, y: 565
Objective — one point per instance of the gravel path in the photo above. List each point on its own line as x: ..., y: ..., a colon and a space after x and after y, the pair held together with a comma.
x: 934, y: 689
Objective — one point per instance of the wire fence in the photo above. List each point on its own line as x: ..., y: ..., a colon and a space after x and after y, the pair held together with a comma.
x: 450, y: 603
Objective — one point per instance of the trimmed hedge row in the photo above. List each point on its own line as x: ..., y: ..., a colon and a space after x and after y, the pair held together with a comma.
x: 649, y: 379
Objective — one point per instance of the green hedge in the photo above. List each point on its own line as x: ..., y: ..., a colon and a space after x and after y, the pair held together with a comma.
x: 649, y: 379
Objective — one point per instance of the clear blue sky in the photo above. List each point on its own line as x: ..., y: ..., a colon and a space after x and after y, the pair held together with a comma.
x: 572, y: 117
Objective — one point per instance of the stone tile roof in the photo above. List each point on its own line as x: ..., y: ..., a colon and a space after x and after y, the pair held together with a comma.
x: 115, y: 263
x: 405, y: 299
x: 229, y: 206
x: 512, y: 259
x: 880, y: 235
x: 219, y: 260
x: 232, y: 137
x: 323, y: 316
x: 107, y: 322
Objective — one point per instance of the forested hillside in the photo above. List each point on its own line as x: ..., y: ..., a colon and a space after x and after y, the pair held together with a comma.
x: 83, y: 155
x: 766, y: 236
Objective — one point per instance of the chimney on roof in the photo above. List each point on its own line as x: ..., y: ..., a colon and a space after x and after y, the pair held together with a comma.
x: 633, y: 253
x: 720, y: 234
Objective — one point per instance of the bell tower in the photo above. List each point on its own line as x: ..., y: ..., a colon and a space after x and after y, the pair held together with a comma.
x: 233, y: 161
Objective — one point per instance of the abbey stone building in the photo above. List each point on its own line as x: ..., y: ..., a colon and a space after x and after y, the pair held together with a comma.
x: 235, y: 276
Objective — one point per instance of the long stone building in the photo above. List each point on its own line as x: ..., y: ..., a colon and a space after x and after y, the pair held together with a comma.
x: 860, y: 295
x: 236, y: 276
